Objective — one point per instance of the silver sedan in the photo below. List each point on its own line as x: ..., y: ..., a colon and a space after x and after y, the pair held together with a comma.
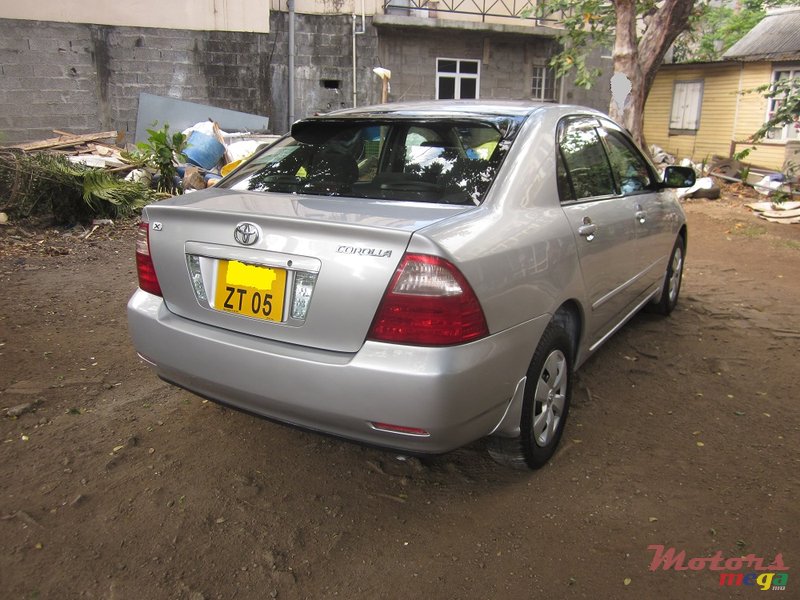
x: 413, y: 276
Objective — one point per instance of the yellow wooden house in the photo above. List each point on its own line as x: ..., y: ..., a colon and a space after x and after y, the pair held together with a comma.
x: 702, y: 110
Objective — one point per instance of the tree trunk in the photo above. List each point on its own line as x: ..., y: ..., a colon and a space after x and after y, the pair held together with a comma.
x: 640, y: 58
x: 627, y: 110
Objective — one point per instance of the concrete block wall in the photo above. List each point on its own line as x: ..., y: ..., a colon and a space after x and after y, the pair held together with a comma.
x: 506, y: 61
x: 45, y: 69
x: 508, y: 72
x: 324, y: 53
x: 85, y: 78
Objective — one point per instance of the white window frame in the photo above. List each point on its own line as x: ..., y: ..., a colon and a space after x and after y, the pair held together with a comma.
x: 686, y: 109
x: 545, y: 75
x: 780, y: 134
x: 459, y: 76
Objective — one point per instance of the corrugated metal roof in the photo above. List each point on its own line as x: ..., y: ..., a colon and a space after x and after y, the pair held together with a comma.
x: 776, y: 37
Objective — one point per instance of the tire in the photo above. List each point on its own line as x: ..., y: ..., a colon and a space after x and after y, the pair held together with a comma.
x: 672, y: 279
x: 545, y: 405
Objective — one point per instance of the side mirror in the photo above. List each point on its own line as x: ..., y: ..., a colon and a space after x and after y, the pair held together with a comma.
x: 679, y: 177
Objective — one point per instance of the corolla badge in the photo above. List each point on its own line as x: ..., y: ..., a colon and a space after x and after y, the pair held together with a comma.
x: 247, y: 234
x: 379, y: 252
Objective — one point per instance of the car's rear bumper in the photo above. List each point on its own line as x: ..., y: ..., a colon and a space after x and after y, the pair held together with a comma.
x: 457, y: 394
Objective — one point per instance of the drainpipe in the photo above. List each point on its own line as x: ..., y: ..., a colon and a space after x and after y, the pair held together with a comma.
x: 290, y: 6
x: 355, y: 33
x: 355, y: 96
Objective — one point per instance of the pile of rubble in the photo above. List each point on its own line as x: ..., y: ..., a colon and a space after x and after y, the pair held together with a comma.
x: 211, y: 153
x: 78, y: 177
x: 75, y: 143
x: 778, y: 189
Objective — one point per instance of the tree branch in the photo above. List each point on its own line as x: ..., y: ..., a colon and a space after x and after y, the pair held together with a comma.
x: 668, y: 21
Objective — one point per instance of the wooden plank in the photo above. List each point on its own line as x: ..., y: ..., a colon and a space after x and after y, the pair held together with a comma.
x: 790, y: 221
x: 781, y: 214
x: 65, y: 141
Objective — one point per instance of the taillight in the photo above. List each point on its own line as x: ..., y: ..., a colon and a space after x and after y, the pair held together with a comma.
x: 148, y: 280
x: 428, y: 303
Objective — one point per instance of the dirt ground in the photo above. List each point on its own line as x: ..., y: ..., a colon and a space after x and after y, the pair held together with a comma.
x: 684, y: 433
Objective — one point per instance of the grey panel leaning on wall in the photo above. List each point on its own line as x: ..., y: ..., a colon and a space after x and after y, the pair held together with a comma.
x: 181, y: 115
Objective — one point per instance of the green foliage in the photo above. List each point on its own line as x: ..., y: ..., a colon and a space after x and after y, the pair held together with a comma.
x: 780, y: 196
x: 716, y: 28
x: 43, y: 183
x: 101, y: 189
x: 162, y: 152
x: 588, y: 24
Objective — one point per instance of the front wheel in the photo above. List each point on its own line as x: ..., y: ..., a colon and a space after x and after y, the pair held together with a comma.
x: 545, y: 405
x: 672, y: 279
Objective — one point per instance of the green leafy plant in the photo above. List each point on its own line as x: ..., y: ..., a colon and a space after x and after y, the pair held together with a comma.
x: 42, y: 183
x: 161, y: 152
x: 716, y: 26
x: 586, y: 24
x: 780, y: 196
x: 745, y: 173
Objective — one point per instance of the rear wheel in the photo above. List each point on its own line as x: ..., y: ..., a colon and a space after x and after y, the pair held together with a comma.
x: 672, y: 279
x: 545, y: 405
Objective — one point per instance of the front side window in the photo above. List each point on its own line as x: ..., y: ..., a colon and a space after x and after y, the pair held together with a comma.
x: 448, y: 161
x: 627, y: 164
x: 585, y: 165
x: 457, y: 79
x: 687, y: 100
x: 790, y: 131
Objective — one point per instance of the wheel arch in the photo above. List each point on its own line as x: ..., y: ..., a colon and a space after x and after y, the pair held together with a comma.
x: 515, y: 441
x: 570, y: 318
x: 662, y: 304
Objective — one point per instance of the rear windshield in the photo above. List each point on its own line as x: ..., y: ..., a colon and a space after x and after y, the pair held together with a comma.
x: 450, y: 162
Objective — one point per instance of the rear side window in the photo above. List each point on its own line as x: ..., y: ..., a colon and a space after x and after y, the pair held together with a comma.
x: 584, y: 161
x: 445, y: 161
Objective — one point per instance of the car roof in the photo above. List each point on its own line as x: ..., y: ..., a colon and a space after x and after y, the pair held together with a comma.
x: 443, y: 108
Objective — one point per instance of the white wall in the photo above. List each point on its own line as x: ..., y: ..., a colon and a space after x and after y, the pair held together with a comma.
x: 206, y: 15
x: 331, y: 7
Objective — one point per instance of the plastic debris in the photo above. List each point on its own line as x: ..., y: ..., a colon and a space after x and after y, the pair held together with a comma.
x: 703, y: 188
x: 771, y: 183
x: 661, y: 157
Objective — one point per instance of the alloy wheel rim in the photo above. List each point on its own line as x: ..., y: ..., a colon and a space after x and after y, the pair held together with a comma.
x: 549, y: 398
x: 675, y: 279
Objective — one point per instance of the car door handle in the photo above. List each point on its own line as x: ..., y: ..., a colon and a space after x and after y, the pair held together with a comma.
x: 640, y: 215
x: 587, y: 231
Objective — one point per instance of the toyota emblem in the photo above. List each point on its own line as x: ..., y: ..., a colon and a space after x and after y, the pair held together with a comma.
x: 246, y: 234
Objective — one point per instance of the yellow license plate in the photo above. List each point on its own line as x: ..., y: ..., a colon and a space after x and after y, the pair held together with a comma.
x: 250, y: 290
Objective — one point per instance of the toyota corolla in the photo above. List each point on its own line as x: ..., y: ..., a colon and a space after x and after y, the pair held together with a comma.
x: 413, y: 276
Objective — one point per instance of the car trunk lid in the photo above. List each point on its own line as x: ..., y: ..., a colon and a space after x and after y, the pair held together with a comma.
x: 304, y: 270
